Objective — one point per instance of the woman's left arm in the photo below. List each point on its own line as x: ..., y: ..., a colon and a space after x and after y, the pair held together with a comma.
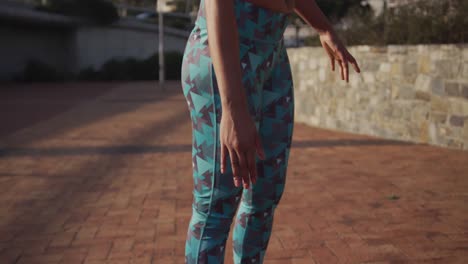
x: 311, y: 13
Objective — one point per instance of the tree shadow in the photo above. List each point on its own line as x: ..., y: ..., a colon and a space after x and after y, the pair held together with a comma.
x: 36, y: 219
x: 172, y: 148
x: 24, y: 107
x: 348, y: 142
x: 85, y: 150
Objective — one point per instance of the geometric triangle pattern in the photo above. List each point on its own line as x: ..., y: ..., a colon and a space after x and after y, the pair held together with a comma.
x: 267, y: 80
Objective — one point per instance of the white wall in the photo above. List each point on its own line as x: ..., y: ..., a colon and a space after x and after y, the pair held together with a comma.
x: 96, y: 45
x: 20, y: 44
x: 76, y: 48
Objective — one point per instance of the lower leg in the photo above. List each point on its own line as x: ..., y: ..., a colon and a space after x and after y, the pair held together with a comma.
x: 206, y: 238
x: 252, y: 231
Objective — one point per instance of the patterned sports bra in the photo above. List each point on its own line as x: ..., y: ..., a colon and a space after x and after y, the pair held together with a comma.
x: 254, y: 22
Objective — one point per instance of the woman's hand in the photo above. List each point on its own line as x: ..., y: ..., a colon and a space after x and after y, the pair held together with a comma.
x: 337, y: 51
x: 239, y: 138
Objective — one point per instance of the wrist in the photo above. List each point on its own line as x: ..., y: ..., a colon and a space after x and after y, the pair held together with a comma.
x: 234, y: 107
x: 327, y: 31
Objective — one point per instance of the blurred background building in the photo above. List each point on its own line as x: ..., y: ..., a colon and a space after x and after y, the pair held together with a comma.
x: 46, y: 38
x: 82, y: 36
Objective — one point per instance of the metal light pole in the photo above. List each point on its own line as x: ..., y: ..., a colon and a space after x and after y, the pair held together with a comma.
x: 160, y: 6
x: 188, y: 6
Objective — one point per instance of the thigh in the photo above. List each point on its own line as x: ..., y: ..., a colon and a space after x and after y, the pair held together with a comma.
x: 276, y: 129
x: 212, y: 193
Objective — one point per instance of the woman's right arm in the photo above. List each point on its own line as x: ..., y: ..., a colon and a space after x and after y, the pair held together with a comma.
x: 238, y: 134
x: 223, y: 42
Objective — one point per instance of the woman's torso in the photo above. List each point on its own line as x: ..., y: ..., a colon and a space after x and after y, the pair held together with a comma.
x: 261, y: 46
x: 254, y: 22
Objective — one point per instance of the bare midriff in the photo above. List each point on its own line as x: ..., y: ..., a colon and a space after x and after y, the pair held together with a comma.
x: 283, y: 6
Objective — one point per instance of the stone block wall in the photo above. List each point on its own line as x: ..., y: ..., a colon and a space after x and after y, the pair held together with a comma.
x: 410, y: 93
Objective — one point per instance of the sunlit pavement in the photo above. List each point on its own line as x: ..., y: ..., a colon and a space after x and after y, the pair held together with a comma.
x: 104, y: 176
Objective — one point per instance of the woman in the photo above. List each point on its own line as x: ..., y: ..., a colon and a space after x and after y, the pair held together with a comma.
x: 240, y: 95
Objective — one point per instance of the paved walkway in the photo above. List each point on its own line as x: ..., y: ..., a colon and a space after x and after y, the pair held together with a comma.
x: 108, y: 180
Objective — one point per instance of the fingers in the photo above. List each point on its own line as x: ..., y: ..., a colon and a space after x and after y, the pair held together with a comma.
x: 330, y: 54
x: 342, y: 71
x: 236, y: 171
x: 339, y: 53
x: 244, y: 170
x: 346, y: 71
x: 252, y: 166
x: 353, y: 62
x: 240, y: 168
x: 259, y: 147
x: 243, y: 159
x: 223, y: 158
x: 345, y: 68
x: 243, y: 163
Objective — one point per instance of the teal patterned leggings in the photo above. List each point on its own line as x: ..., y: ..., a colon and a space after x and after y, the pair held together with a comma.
x: 267, y: 79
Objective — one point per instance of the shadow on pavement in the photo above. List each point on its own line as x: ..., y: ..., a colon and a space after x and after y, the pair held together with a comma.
x: 25, y: 105
x: 42, y: 218
x: 142, y: 149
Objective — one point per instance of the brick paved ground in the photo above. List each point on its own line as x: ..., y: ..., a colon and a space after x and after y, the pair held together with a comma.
x: 109, y: 181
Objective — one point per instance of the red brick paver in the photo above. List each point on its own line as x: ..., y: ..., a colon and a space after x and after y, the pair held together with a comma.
x: 109, y: 181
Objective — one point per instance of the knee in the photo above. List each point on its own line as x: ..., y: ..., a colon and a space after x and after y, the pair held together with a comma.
x: 263, y: 200
x: 258, y: 210
x: 217, y: 211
